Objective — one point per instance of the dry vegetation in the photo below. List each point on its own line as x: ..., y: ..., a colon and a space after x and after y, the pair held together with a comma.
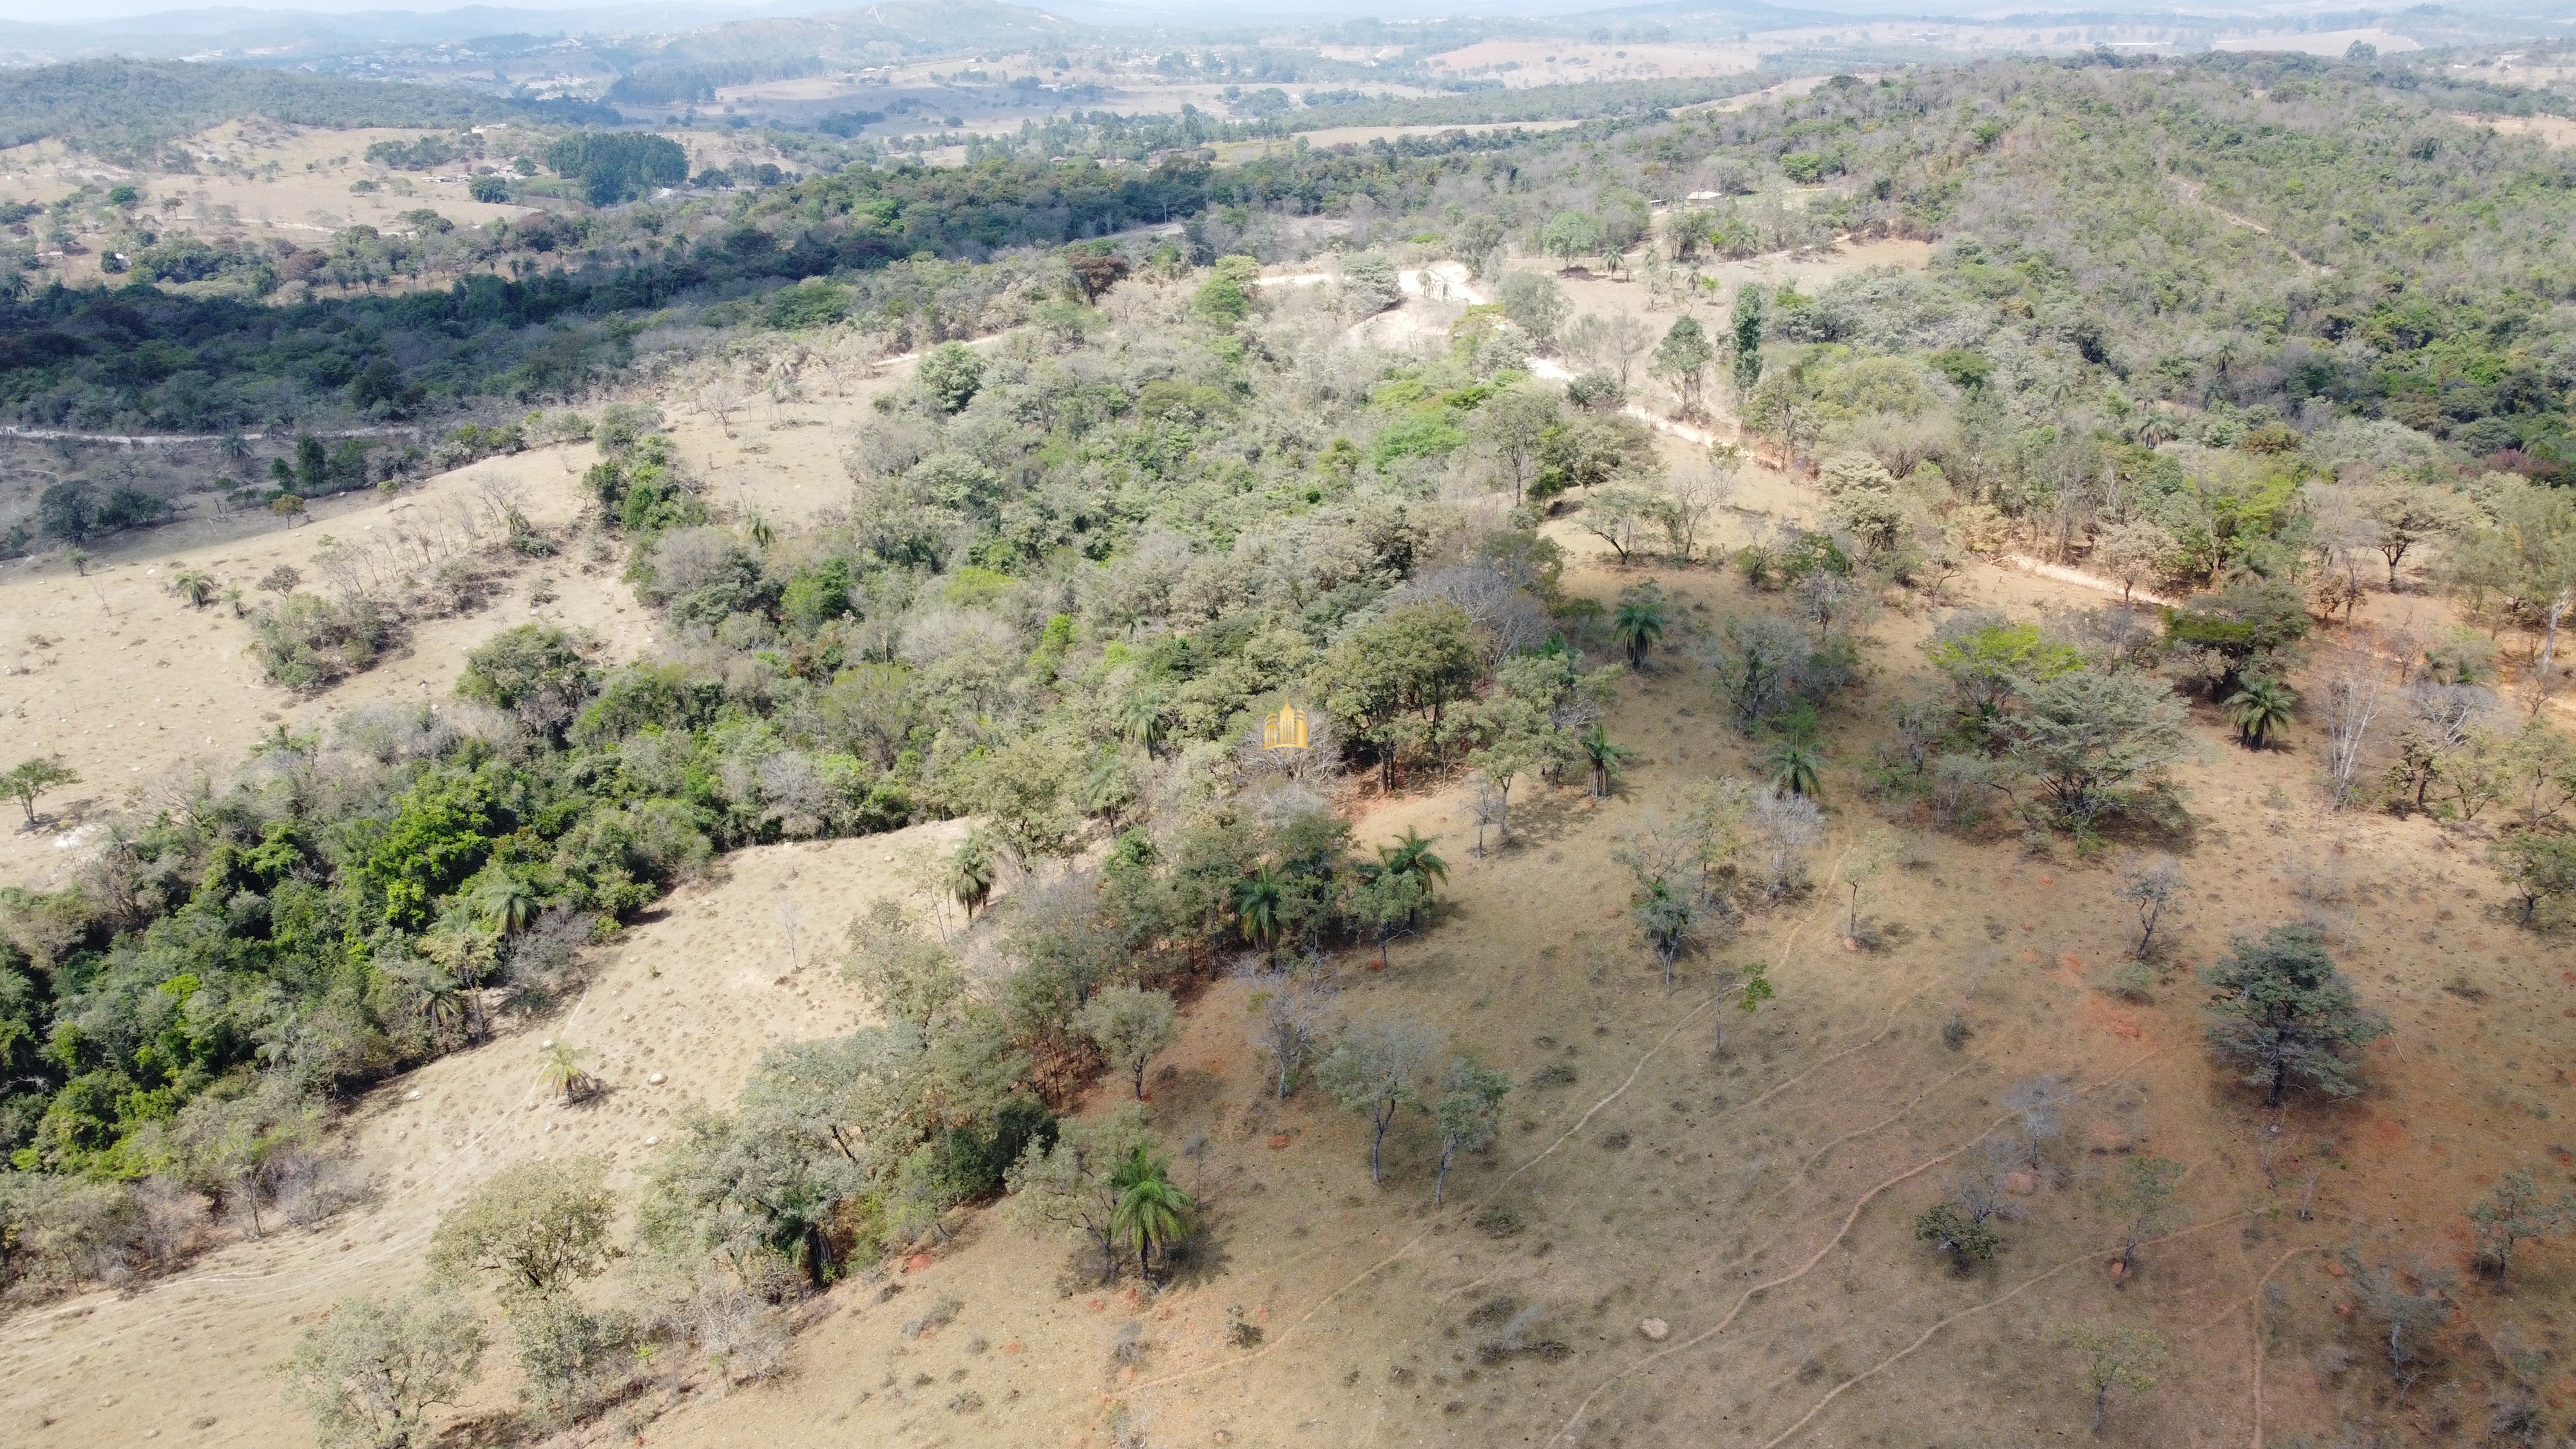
x: 1677, y: 1236
x: 1810, y: 1057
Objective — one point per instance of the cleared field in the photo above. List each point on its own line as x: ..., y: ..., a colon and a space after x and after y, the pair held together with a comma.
x: 298, y: 180
x: 262, y: 178
x: 131, y: 685
x: 1233, y: 151
x: 2318, y: 42
x: 2556, y: 132
x: 1557, y: 62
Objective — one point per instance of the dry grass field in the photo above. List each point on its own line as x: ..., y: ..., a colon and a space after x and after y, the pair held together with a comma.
x: 2556, y: 132
x: 263, y: 178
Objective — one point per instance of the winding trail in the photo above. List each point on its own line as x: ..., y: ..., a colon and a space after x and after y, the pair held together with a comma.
x: 1745, y: 1299
x: 2255, y: 1312
x: 1926, y: 1336
x: 2191, y: 192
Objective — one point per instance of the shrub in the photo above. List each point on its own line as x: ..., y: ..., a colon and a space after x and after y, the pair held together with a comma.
x: 1966, y: 1239
x: 536, y: 1229
x: 1597, y: 390
x: 534, y: 671
x: 573, y: 1358
x: 369, y: 1372
x: 951, y: 373
x: 2539, y: 865
x: 306, y: 642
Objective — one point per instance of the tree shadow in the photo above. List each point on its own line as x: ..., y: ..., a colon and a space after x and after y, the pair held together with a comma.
x: 1543, y: 819
x: 1175, y: 1090
x: 488, y: 1429
x: 1201, y: 1258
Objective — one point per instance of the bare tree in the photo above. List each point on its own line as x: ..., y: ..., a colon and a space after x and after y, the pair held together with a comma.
x: 2151, y: 884
x: 2040, y: 1102
x: 1486, y: 803
x: 2408, y: 1302
x: 1786, y: 828
x: 1292, y: 1024
x: 721, y: 398
x: 1624, y: 339
x: 1379, y: 1067
x: 1689, y: 501
x: 2119, y: 1358
x: 2357, y: 681
x: 791, y: 920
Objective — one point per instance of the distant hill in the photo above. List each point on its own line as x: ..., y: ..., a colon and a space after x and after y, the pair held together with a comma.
x: 130, y: 109
x: 280, y: 34
x: 906, y: 27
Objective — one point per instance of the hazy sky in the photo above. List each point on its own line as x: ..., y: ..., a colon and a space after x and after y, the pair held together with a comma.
x: 39, y: 12
x: 681, y: 14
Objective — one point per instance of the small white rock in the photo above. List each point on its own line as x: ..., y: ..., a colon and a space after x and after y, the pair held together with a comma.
x: 412, y: 1096
x: 1655, y: 1329
x: 649, y: 1141
x: 656, y: 1079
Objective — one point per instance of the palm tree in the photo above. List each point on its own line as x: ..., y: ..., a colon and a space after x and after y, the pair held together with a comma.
x: 970, y: 874
x: 1604, y: 756
x: 1411, y: 856
x: 1105, y: 789
x: 1795, y: 769
x: 196, y: 586
x: 1637, y: 626
x: 1141, y: 719
x: 1152, y: 1210
x: 562, y: 1067
x: 2260, y: 708
x: 510, y: 905
x: 1257, y: 901
x: 439, y: 999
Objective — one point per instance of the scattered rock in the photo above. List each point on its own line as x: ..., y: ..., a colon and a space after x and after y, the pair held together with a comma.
x: 918, y: 1262
x: 2334, y: 1269
x: 1279, y: 1139
x: 656, y: 1079
x: 1655, y: 1329
x: 412, y: 1096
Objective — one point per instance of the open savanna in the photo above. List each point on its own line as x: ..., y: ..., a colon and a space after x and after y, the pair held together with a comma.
x: 1680, y: 1238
